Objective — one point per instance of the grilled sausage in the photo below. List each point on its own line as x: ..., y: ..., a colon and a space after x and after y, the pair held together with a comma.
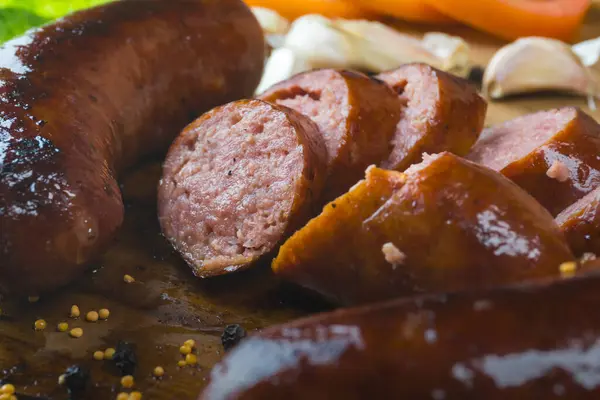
x: 447, y: 224
x: 237, y: 182
x: 87, y: 96
x: 532, y: 341
x: 580, y: 222
x: 553, y: 155
x: 356, y: 116
x: 442, y: 113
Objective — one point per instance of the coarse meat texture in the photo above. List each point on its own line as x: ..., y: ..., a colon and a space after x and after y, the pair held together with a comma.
x: 534, y: 340
x: 457, y: 226
x: 553, y: 155
x: 356, y: 116
x: 442, y: 113
x: 86, y: 97
x: 237, y: 182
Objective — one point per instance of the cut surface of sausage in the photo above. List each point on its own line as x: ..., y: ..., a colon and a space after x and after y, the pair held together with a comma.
x: 453, y: 225
x: 356, y: 116
x: 580, y: 222
x: 442, y: 113
x: 531, y: 341
x: 237, y: 182
x: 552, y: 154
x: 90, y: 94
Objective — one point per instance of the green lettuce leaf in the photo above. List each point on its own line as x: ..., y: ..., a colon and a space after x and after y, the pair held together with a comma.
x: 17, y: 16
x: 15, y: 21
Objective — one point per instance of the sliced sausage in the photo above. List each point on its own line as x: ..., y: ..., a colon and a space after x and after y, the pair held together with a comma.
x: 356, y: 116
x: 553, y: 155
x: 580, y: 222
x: 535, y: 341
x: 237, y: 182
x: 451, y: 225
x: 88, y: 95
x: 442, y: 113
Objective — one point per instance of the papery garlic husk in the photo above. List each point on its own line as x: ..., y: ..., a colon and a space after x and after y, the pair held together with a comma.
x: 274, y: 26
x: 536, y: 64
x: 282, y: 64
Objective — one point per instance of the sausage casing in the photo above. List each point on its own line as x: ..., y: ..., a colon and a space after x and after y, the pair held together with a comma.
x: 88, y: 95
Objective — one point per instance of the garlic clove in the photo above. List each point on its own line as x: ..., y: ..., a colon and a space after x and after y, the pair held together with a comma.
x: 453, y: 51
x: 281, y: 65
x: 274, y: 26
x: 271, y: 22
x: 313, y: 39
x: 535, y: 64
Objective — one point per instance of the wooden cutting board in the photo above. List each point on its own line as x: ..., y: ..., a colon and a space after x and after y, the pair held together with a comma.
x: 167, y: 305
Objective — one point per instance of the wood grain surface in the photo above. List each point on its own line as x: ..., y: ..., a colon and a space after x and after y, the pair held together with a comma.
x: 167, y: 305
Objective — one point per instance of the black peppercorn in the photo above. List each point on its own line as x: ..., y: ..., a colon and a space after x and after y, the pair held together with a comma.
x: 232, y: 335
x: 125, y: 359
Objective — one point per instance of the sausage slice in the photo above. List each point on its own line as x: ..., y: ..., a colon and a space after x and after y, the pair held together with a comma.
x: 446, y: 224
x: 237, y: 181
x: 552, y: 154
x: 442, y: 113
x: 356, y: 116
x: 580, y: 222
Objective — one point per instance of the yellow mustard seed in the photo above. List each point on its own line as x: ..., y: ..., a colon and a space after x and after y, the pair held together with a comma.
x: 123, y: 396
x: 39, y: 325
x: 75, y: 313
x: 103, y: 313
x: 135, y: 396
x: 191, y: 359
x: 191, y: 343
x: 76, y: 332
x: 181, y: 363
x: 33, y: 299
x: 158, y: 371
x: 185, y: 350
x: 98, y: 355
x: 568, y: 268
x: 127, y: 381
x: 109, y: 353
x: 62, y: 327
x: 6, y: 396
x: 128, y: 278
x: 91, y: 316
x: 7, y: 389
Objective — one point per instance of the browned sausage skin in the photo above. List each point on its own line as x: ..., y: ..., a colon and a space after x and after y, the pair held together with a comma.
x: 446, y: 224
x: 580, y: 223
x: 355, y: 114
x: 536, y: 341
x: 442, y: 113
x: 552, y: 154
x: 237, y: 182
x: 87, y: 96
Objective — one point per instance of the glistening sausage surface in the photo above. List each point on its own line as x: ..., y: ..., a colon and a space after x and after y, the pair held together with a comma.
x: 237, y: 182
x: 446, y: 224
x: 553, y: 155
x: 537, y: 341
x: 356, y: 116
x: 580, y: 222
x: 442, y: 113
x: 87, y: 96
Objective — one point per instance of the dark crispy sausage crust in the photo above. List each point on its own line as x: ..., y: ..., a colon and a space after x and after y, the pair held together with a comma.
x: 527, y: 342
x: 524, y: 149
x: 458, y: 224
x: 85, y: 97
